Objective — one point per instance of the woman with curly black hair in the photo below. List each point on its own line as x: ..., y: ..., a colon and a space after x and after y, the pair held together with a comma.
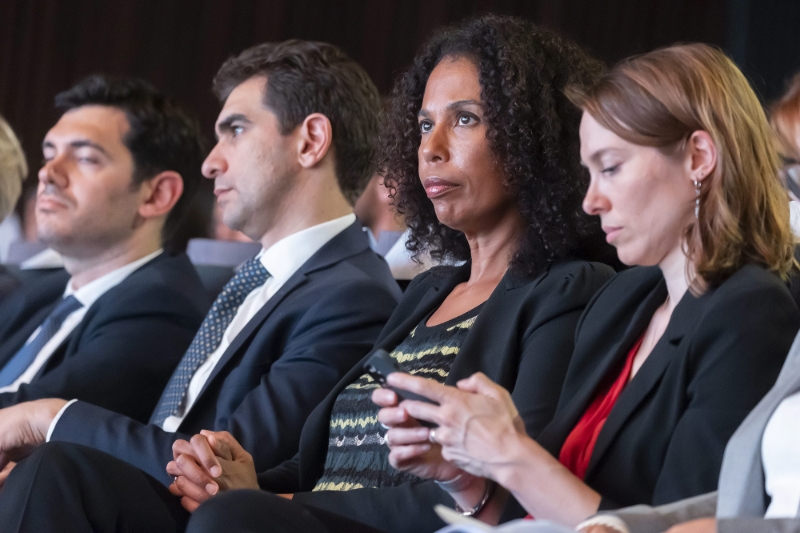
x: 481, y: 151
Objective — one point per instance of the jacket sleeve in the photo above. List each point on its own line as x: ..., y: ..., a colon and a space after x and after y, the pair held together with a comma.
x: 123, y: 357
x: 647, y: 519
x: 734, y: 361
x: 749, y: 524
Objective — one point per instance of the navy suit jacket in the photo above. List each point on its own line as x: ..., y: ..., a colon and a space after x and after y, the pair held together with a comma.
x: 126, y: 346
x: 284, y: 362
x: 522, y: 340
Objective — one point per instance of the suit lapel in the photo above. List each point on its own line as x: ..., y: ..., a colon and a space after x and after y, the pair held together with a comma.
x: 605, y: 368
x: 253, y: 326
x: 684, y: 316
x: 349, y: 242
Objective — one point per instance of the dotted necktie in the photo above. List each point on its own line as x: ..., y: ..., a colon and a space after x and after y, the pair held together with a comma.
x: 26, y: 355
x: 209, y: 336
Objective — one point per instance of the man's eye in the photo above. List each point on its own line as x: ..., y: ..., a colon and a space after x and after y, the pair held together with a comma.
x: 237, y: 130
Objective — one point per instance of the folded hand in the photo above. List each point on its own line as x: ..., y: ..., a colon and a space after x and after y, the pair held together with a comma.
x: 210, y: 462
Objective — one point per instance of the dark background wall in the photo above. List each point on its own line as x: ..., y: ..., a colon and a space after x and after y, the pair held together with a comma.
x: 46, y: 45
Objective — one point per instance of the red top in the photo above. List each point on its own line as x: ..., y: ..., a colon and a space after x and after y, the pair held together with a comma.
x: 577, y: 449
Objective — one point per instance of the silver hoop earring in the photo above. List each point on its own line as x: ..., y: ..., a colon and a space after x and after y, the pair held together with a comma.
x: 697, y: 199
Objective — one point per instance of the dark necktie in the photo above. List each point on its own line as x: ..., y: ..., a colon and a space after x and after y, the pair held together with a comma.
x: 25, y: 356
x: 209, y: 336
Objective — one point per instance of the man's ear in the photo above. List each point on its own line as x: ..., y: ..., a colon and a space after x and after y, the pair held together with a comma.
x: 315, y: 136
x: 702, y: 154
x: 160, y: 194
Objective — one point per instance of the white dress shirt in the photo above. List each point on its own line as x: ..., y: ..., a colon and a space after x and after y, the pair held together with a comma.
x: 86, y: 295
x: 780, y: 455
x: 281, y: 260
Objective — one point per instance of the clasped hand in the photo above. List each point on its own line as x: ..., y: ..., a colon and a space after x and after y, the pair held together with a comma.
x: 210, y: 462
x: 475, y: 421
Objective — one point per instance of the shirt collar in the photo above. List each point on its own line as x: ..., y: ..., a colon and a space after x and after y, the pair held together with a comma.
x: 93, y: 290
x: 283, y: 258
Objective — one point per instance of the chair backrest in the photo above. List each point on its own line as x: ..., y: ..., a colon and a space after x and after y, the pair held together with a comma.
x: 19, y: 251
x: 211, y: 252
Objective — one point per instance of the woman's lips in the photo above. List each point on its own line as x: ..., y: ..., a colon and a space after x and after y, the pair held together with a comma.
x: 435, y: 187
x: 611, y: 232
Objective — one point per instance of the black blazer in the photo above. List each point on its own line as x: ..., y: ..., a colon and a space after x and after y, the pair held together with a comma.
x: 284, y: 362
x: 720, y: 353
x: 122, y: 353
x: 522, y: 339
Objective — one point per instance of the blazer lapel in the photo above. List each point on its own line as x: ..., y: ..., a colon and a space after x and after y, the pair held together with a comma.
x: 613, y: 360
x: 471, y: 358
x: 683, y: 318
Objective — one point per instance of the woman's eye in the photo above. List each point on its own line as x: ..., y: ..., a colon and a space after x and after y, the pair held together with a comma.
x: 425, y: 126
x: 610, y: 170
x: 465, y: 120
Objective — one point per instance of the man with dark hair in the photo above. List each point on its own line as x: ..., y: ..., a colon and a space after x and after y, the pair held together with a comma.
x: 294, y: 150
x: 118, y: 166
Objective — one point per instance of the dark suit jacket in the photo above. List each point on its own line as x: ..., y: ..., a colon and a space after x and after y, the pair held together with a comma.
x: 8, y: 282
x: 522, y: 339
x: 122, y: 353
x: 719, y: 355
x: 284, y: 362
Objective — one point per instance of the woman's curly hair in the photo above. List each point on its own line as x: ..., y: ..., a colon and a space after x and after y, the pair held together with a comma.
x: 532, y: 127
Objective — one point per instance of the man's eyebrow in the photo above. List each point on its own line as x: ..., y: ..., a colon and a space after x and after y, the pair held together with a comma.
x: 79, y: 143
x: 226, y: 124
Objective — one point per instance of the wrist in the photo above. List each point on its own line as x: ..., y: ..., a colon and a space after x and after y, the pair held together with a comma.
x: 512, y: 469
x: 489, y: 487
x: 44, y: 411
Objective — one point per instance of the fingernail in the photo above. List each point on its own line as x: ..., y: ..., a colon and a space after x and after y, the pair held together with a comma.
x: 211, y: 488
x: 216, y: 471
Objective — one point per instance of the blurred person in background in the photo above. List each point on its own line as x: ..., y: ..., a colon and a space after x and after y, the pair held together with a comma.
x: 13, y: 171
x: 785, y: 120
x: 387, y: 231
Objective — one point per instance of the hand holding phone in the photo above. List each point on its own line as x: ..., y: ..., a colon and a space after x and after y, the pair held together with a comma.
x: 380, y: 365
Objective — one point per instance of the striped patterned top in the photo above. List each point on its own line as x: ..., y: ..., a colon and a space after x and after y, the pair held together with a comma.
x: 357, y: 457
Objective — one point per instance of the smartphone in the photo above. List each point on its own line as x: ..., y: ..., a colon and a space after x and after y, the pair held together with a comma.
x: 379, y: 365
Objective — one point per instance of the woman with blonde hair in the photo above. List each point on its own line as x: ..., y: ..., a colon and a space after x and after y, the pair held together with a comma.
x: 669, y: 356
x: 13, y: 171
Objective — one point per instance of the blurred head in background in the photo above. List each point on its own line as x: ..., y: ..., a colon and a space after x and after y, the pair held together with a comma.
x: 13, y: 169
